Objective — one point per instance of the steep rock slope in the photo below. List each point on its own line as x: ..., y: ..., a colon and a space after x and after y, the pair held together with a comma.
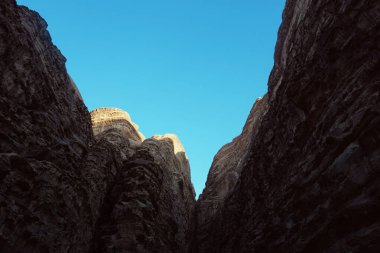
x: 57, y: 181
x: 224, y: 174
x: 45, y: 175
x: 311, y: 179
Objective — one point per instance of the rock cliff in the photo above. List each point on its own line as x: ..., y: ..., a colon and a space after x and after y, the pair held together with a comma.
x: 309, y: 180
x: 45, y: 134
x: 224, y: 174
x: 149, y: 207
x: 64, y: 188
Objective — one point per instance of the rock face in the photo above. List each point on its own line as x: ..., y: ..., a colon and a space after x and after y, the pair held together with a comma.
x: 106, y: 120
x: 224, y: 173
x: 61, y: 189
x: 45, y: 134
x: 310, y: 179
x: 115, y: 126
x: 149, y: 207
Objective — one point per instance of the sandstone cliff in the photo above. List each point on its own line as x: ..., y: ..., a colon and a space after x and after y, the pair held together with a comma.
x: 310, y: 180
x: 106, y: 120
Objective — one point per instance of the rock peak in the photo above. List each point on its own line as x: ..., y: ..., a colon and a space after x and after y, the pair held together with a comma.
x: 104, y: 119
x: 177, y: 144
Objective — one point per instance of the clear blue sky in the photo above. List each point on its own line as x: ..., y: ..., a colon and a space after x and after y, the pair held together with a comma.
x: 193, y: 68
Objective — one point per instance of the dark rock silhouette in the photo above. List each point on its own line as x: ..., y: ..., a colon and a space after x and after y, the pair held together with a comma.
x: 310, y: 181
x: 224, y: 173
x: 61, y: 189
x: 45, y: 134
x: 304, y: 175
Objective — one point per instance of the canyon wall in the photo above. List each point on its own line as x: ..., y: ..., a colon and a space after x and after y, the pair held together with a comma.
x: 45, y: 134
x: 224, y: 174
x: 62, y: 189
x: 310, y: 178
x: 303, y: 176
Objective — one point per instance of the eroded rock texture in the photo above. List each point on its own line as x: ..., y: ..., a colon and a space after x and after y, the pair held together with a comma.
x: 224, y: 173
x: 61, y: 189
x: 105, y: 120
x: 310, y: 181
x: 45, y: 134
x: 149, y: 207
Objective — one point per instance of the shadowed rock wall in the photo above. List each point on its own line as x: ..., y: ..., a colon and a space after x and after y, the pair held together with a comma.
x: 45, y: 134
x: 224, y: 174
x: 61, y: 188
x: 310, y: 181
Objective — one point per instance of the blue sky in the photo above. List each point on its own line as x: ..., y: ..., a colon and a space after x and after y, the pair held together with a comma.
x: 193, y: 68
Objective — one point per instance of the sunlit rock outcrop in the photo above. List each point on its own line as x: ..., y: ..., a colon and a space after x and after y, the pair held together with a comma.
x: 179, y: 152
x: 104, y: 119
x: 115, y: 126
x: 178, y: 147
